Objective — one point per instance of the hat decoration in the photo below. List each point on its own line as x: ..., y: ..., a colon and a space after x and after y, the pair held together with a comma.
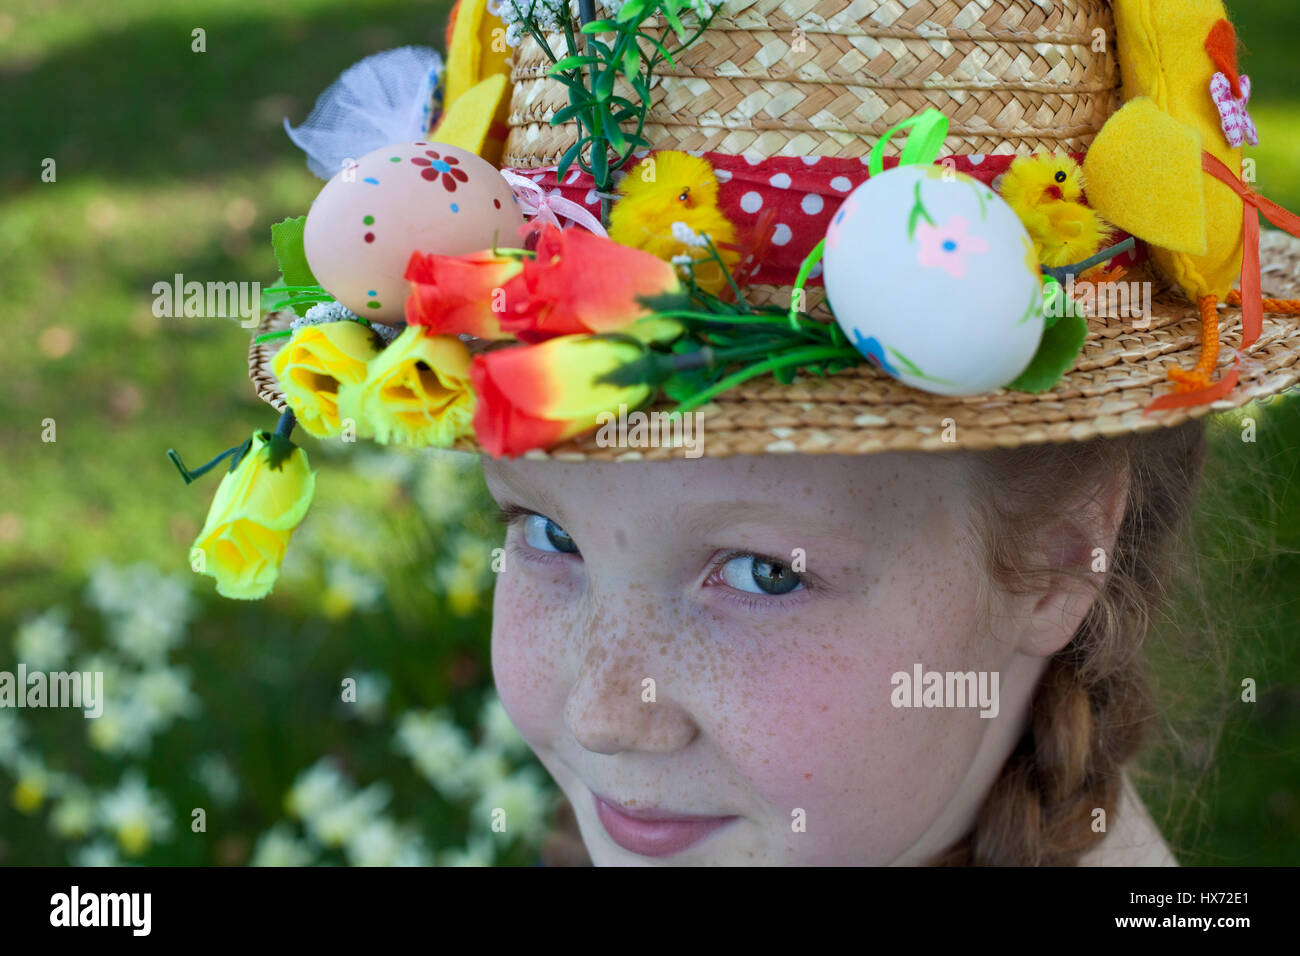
x: 432, y: 298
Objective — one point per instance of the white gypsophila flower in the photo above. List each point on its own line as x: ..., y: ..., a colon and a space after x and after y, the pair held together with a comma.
x: 218, y: 778
x: 335, y: 826
x: 279, y: 847
x: 98, y: 853
x: 136, y: 815
x: 688, y: 236
x: 387, y: 332
x: 317, y: 789
x: 479, y: 851
x: 522, y: 803
x: 165, y: 694
x: 372, y: 690
x: 498, y: 730
x: 437, y: 747
x: 43, y: 643
x: 514, y: 33
x: 682, y: 259
x: 323, y: 313
x: 73, y: 816
x: 126, y: 726
x: 11, y: 739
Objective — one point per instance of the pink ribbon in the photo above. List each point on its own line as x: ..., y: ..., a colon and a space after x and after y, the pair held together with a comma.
x: 1238, y: 127
x: 535, y: 201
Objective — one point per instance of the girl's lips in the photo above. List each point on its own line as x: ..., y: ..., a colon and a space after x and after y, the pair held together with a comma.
x: 653, y: 833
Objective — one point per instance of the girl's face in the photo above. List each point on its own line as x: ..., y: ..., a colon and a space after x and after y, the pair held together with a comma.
x: 702, y: 654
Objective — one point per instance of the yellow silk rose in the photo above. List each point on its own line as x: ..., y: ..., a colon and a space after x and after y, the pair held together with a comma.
x: 315, y: 363
x: 255, y: 511
x: 416, y: 392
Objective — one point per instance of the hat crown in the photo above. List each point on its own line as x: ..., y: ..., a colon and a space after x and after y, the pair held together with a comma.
x: 829, y: 77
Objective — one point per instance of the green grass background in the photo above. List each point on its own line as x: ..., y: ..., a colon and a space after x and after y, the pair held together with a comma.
x: 174, y: 161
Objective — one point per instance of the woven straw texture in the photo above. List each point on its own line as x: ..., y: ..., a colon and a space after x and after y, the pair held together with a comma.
x: 829, y: 77
x: 861, y: 410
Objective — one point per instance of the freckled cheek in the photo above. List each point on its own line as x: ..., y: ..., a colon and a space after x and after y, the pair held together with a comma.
x: 528, y: 660
x: 819, y: 733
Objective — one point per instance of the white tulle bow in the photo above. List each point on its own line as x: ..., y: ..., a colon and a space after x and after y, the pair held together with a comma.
x: 390, y: 97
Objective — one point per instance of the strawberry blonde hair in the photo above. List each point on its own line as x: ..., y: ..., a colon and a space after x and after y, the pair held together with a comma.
x: 1093, y: 708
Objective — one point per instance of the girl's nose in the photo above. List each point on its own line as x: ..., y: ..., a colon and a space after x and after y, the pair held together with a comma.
x: 618, y: 702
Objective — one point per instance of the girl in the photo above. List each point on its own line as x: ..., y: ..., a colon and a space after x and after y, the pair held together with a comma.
x: 699, y: 701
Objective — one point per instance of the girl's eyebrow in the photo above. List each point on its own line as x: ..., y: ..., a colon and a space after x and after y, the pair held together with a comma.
x: 715, y: 516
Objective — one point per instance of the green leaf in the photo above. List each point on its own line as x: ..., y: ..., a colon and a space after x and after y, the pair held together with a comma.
x: 1056, y: 353
x: 633, y: 10
x: 600, y: 164
x: 567, y: 159
x: 616, y: 138
x: 600, y: 26
x: 675, y: 23
x: 783, y: 374
x: 632, y: 60
x: 566, y: 114
x: 286, y: 240
x: 662, y: 49
x: 604, y: 87
x: 571, y: 63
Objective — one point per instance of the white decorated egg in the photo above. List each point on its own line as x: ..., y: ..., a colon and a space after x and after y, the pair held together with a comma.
x: 422, y: 196
x: 933, y: 277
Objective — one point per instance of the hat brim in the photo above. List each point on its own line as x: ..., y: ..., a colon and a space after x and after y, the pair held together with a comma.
x: 1119, y: 372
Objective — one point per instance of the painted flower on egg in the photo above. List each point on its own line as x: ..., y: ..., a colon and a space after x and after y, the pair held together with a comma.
x: 946, y: 247
x: 437, y: 165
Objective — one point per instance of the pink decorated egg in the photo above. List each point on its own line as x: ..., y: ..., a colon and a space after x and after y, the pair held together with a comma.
x: 426, y: 197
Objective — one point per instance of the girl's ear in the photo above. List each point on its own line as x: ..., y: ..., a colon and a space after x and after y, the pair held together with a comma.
x: 1078, y: 549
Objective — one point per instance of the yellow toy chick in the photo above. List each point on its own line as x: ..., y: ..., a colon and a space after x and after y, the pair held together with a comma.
x: 668, y: 187
x: 1046, y: 191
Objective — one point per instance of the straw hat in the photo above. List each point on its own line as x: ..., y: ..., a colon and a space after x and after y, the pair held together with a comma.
x: 821, y: 80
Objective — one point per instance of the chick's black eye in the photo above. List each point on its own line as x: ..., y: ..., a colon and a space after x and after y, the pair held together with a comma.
x: 1060, y: 176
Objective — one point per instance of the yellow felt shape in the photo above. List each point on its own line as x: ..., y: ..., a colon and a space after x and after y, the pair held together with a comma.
x: 476, y: 121
x: 1162, y: 56
x: 476, y: 49
x: 1144, y: 175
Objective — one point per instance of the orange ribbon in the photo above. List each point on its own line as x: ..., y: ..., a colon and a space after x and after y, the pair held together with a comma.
x: 1252, y: 299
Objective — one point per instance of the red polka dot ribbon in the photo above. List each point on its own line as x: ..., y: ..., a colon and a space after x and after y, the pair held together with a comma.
x: 800, y: 194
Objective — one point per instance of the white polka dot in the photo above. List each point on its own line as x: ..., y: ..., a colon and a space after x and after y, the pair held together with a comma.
x: 864, y: 160
x: 810, y: 160
x: 841, y: 183
x: 977, y: 160
x: 782, y: 234
x: 538, y: 178
x: 695, y: 152
x: 752, y: 159
x: 592, y: 198
x: 811, y: 204
x: 780, y: 181
x: 751, y: 202
x: 722, y: 175
x: 815, y: 271
x: 574, y: 173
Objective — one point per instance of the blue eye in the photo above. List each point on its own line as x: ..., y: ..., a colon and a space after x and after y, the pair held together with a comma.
x: 755, y: 575
x: 542, y: 533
